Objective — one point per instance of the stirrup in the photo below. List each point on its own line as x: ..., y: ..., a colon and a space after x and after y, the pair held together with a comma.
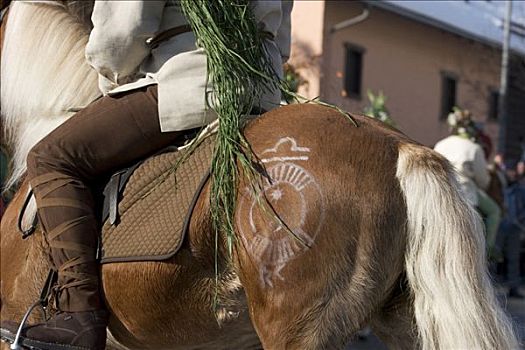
x: 15, y: 345
x: 42, y: 303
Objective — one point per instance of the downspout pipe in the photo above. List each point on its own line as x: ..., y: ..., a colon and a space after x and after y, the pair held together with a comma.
x: 351, y: 21
x: 502, y: 103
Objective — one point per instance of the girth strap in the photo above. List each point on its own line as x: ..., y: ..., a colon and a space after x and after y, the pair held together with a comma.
x: 112, y: 193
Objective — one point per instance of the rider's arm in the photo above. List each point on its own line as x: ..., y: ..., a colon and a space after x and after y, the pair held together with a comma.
x: 117, y: 43
x: 274, y: 18
x: 283, y: 36
x: 480, y: 169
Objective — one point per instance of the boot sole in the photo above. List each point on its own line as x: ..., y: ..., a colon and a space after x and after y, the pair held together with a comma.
x: 30, y: 344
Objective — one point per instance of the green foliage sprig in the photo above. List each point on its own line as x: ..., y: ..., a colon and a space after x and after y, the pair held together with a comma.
x: 377, y: 108
x: 241, y: 72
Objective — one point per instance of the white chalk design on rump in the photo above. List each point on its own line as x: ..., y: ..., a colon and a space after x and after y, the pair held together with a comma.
x: 295, y: 194
x: 293, y: 148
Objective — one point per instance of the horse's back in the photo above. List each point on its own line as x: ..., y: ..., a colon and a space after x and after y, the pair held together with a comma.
x: 326, y: 127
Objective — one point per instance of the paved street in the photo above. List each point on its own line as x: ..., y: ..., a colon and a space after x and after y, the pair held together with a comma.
x: 515, y: 307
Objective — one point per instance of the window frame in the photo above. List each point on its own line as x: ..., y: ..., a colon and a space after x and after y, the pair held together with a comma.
x: 445, y: 110
x: 361, y: 51
x: 493, y: 105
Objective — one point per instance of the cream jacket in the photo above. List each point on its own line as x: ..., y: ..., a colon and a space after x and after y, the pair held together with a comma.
x: 468, y: 159
x: 117, y: 50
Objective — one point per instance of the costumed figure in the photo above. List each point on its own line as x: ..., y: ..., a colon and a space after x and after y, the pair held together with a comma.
x: 512, y: 225
x: 468, y: 158
x: 512, y: 228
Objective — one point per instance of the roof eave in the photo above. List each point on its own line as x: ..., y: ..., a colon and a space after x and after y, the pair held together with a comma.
x: 436, y: 23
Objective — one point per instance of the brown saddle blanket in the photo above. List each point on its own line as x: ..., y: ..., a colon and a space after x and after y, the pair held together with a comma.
x: 155, y: 205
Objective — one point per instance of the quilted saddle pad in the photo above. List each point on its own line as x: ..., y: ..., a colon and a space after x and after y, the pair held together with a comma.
x: 155, y: 204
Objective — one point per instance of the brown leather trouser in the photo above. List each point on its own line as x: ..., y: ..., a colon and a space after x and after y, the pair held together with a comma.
x: 109, y: 134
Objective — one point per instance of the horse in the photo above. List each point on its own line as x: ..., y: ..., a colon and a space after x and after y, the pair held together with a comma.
x: 387, y: 238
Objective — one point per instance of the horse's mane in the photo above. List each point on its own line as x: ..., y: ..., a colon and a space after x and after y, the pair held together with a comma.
x: 44, y: 72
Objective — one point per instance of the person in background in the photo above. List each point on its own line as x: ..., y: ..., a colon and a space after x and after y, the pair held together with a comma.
x: 468, y: 158
x: 521, y: 164
x: 483, y: 139
x: 512, y: 227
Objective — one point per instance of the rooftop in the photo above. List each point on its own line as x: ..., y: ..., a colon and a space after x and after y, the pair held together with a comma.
x: 480, y: 20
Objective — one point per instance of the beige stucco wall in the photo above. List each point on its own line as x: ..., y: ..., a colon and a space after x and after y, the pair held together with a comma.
x: 404, y: 59
x: 307, y: 44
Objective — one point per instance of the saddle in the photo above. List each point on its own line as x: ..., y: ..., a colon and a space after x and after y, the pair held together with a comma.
x: 147, y: 207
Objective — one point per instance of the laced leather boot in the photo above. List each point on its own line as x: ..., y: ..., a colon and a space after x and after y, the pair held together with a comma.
x: 65, y: 209
x: 85, y: 330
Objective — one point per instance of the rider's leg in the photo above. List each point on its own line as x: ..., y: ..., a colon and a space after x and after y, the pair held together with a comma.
x: 512, y: 249
x: 109, y: 134
x: 492, y: 213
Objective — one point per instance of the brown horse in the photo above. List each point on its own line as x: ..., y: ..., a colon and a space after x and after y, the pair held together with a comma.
x: 389, y: 239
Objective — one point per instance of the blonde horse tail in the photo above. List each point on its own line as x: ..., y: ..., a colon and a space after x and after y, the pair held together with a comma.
x: 455, y: 306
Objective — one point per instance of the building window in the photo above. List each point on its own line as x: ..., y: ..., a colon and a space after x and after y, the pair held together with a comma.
x: 493, y: 104
x: 448, y: 94
x: 353, y: 68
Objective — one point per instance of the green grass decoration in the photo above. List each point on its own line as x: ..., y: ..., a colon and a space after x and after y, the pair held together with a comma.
x: 241, y: 72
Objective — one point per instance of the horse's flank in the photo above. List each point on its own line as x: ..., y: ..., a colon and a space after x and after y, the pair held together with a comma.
x: 20, y: 292
x: 154, y: 305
